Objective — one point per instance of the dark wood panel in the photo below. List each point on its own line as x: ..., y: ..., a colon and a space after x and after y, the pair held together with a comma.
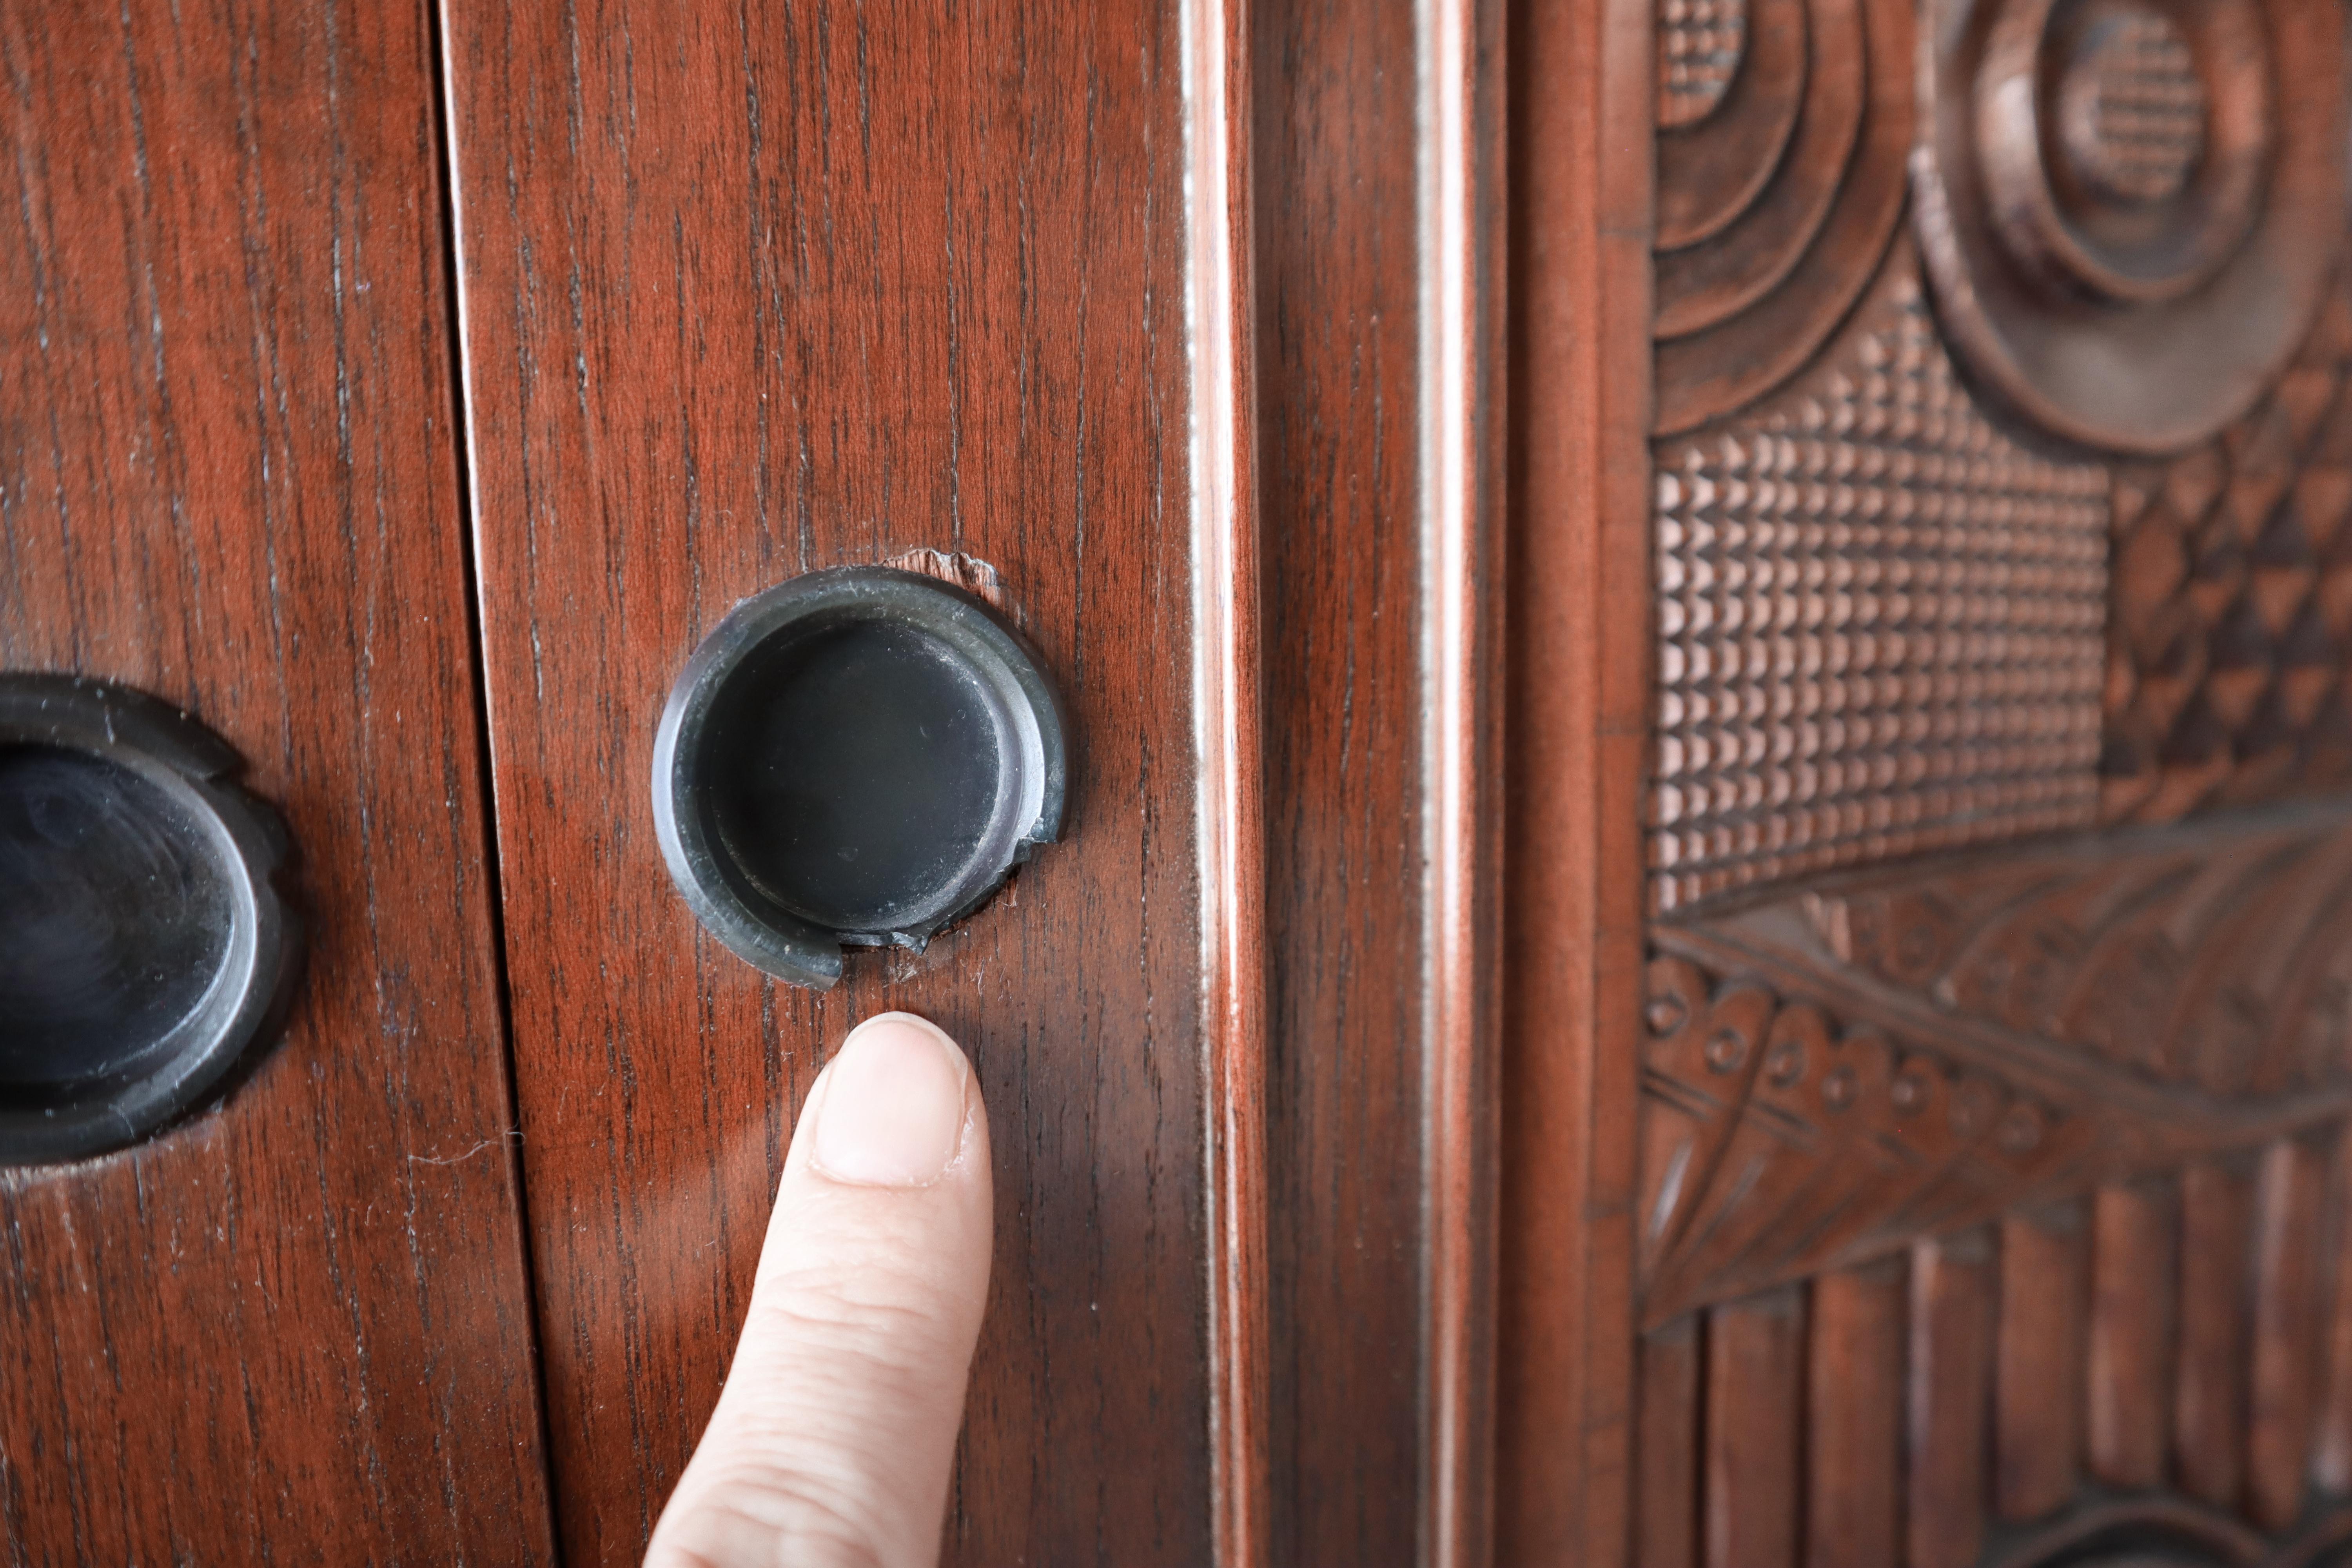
x: 759, y: 291
x: 1339, y: 272
x: 299, y: 1324
x: 1373, y: 316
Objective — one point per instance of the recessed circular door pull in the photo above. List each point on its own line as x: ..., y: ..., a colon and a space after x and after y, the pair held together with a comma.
x: 143, y: 943
x: 854, y: 758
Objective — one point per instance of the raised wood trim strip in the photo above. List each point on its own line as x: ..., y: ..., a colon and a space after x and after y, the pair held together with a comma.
x: 2210, y: 1401
x: 1952, y: 1327
x: 2283, y: 1378
x: 1853, y: 1418
x: 2037, y: 1405
x: 2331, y: 1462
x: 1667, y: 1427
x: 1461, y: 294
x: 2134, y: 1279
x: 1580, y: 188
x: 1219, y: 318
x: 1755, y: 1412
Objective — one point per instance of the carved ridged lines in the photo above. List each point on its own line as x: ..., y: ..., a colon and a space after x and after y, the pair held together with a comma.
x: 1832, y: 1073
x: 2017, y: 1392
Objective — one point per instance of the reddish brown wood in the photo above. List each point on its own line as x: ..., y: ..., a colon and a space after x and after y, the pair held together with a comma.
x: 1378, y: 808
x: 2134, y: 1297
x: 1460, y: 203
x: 296, y: 1327
x: 2331, y: 1465
x: 2210, y: 1403
x: 2286, y: 1319
x: 2038, y: 1398
x: 1341, y: 483
x: 1220, y: 279
x: 2206, y: 704
x: 2129, y: 334
x: 1579, y: 723
x: 1755, y: 1391
x: 853, y: 281
x: 1853, y: 1418
x: 1666, y: 1433
x: 1953, y: 1305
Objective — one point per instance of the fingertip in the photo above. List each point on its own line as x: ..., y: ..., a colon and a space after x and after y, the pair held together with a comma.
x: 896, y: 1104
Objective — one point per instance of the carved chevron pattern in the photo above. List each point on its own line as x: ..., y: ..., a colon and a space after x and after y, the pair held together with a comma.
x: 1833, y: 1073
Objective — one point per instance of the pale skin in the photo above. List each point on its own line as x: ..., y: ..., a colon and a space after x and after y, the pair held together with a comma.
x: 832, y: 1440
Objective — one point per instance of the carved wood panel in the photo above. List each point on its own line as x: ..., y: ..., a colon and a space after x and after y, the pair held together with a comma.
x: 1997, y: 1034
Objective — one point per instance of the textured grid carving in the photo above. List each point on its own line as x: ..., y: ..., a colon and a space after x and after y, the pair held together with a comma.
x: 2132, y: 107
x: 2233, y: 603
x: 1879, y: 624
x: 1699, y: 46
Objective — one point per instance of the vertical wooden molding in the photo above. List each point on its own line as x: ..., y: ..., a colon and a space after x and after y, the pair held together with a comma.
x: 1461, y: 289
x: 2331, y: 1462
x: 2134, y: 1310
x: 1853, y: 1418
x: 2038, y: 1373
x: 1951, y: 1367
x: 2282, y: 1382
x: 1668, y: 1429
x: 1753, y: 1430
x: 1581, y: 148
x: 2208, y: 1400
x: 1219, y: 315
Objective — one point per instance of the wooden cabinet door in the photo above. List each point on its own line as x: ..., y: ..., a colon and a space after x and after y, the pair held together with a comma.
x: 1173, y: 322
x: 1940, y: 1158
x: 295, y: 1326
x: 1141, y: 310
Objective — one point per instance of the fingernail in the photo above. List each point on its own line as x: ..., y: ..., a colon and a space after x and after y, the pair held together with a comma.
x: 893, y: 1109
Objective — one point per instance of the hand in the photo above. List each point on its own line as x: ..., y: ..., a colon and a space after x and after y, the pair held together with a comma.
x: 831, y: 1443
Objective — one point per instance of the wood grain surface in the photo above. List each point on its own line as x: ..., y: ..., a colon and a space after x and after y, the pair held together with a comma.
x: 2038, y: 1377
x: 1379, y: 878
x: 296, y: 1327
x: 2281, y: 1382
x: 1578, y: 721
x: 1339, y: 278
x: 1666, y: 1513
x: 750, y: 293
x: 2209, y: 1392
x: 1754, y: 1431
x: 1853, y: 1418
x: 2135, y: 1306
x: 1953, y: 1290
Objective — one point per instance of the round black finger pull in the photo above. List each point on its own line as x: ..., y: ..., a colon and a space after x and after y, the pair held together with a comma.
x: 854, y: 758
x: 143, y: 943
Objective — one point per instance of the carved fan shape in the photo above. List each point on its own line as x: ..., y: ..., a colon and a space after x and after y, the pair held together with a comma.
x: 2130, y: 207
x: 1833, y: 1074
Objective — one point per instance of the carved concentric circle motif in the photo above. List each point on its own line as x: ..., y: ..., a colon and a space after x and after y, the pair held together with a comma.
x: 2128, y: 210
x: 2132, y: 111
x: 1778, y: 189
